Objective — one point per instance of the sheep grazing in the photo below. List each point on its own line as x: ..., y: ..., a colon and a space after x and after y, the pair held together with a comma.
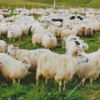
x: 59, y: 67
x: 49, y: 41
x: 9, y: 65
x: 91, y: 68
x: 33, y: 55
x: 2, y: 46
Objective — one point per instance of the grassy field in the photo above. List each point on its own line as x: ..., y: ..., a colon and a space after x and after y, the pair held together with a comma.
x: 28, y: 89
x: 49, y: 3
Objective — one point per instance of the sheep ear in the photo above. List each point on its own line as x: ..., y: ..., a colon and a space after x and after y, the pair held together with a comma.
x: 77, y: 43
x: 75, y: 54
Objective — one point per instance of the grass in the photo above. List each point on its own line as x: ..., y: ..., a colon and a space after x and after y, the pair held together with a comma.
x: 49, y: 3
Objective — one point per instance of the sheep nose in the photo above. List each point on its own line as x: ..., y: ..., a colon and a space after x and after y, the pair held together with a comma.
x: 8, y: 53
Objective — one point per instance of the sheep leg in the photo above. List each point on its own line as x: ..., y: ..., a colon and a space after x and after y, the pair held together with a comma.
x: 37, y: 80
x: 19, y: 80
x: 83, y: 81
x: 76, y: 81
x: 64, y: 84
x: 91, y: 81
x: 60, y: 85
x: 14, y: 81
x: 46, y: 81
x: 13, y: 39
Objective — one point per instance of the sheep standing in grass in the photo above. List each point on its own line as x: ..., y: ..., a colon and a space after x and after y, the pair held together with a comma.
x: 37, y: 38
x: 49, y: 41
x: 59, y: 67
x: 11, y: 68
x: 91, y: 68
x: 15, y: 32
x: 70, y: 40
x: 2, y: 46
x: 33, y: 55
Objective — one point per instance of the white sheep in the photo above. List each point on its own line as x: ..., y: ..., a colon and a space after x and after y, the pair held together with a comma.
x: 2, y: 46
x: 11, y: 68
x: 91, y: 68
x: 14, y: 32
x: 33, y: 55
x: 59, y: 67
x: 37, y: 38
x: 68, y: 32
x: 57, y: 23
x: 49, y: 41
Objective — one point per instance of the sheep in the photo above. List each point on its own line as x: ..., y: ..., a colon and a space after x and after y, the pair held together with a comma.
x: 91, y: 68
x: 49, y: 41
x: 37, y: 38
x: 11, y: 68
x: 70, y: 40
x: 68, y: 32
x: 4, y: 29
x: 1, y: 17
x: 88, y: 31
x: 2, y: 46
x: 14, y: 33
x: 58, y: 31
x: 33, y: 55
x: 57, y: 23
x: 53, y: 65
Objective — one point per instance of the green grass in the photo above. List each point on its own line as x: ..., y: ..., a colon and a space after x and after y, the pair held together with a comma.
x: 49, y: 3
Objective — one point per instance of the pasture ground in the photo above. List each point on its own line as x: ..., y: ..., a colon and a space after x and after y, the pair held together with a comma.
x: 28, y: 89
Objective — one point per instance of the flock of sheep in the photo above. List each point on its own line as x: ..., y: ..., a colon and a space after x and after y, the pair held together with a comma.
x: 66, y: 23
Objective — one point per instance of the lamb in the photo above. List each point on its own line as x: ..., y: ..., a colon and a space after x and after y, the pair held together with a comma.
x: 33, y: 55
x: 9, y: 65
x: 91, y: 68
x: 2, y: 46
x: 59, y: 67
x: 49, y: 41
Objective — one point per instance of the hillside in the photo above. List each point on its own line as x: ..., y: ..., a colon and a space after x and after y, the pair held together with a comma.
x: 49, y: 3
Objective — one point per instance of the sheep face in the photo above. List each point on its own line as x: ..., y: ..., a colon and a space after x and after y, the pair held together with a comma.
x: 82, y: 58
x: 12, y: 49
x: 26, y: 63
x: 52, y: 36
